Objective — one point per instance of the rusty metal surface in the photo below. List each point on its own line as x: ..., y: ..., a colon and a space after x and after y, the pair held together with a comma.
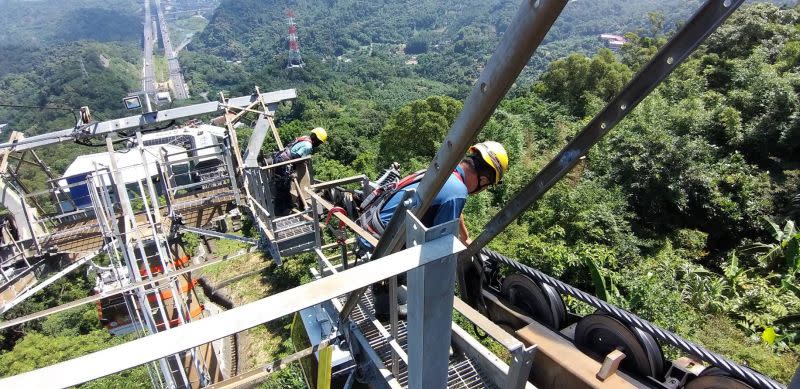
x: 197, y: 209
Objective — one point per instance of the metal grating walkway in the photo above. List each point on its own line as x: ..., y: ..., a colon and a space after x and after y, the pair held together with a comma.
x: 198, y: 209
x: 295, y: 233
x: 463, y: 372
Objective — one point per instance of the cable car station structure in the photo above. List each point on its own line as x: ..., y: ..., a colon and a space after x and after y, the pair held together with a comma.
x: 134, y: 222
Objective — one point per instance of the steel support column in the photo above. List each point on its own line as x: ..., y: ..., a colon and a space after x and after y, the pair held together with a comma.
x: 430, y: 309
x: 526, y: 31
x: 256, y: 141
x: 128, y: 227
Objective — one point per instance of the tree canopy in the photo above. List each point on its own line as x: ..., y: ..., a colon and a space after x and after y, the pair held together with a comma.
x: 683, y: 214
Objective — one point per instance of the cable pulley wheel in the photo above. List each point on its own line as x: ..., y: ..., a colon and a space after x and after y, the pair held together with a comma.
x: 654, y: 352
x: 556, y: 304
x: 599, y: 334
x: 541, y: 303
x: 716, y: 378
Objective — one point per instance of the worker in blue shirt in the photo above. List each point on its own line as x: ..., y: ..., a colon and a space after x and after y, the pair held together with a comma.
x: 282, y: 176
x: 484, y: 165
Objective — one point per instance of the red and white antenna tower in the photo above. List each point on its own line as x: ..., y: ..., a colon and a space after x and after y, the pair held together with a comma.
x: 295, y: 61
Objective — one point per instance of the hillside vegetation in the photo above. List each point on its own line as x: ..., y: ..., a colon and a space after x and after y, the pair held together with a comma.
x: 64, y: 54
x: 44, y: 22
x: 451, y: 39
x: 686, y: 210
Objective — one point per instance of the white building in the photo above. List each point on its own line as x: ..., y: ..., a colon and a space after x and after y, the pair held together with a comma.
x: 613, y: 42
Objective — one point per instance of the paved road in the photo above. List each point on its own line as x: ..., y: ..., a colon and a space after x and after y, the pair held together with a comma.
x: 181, y: 90
x: 148, y: 68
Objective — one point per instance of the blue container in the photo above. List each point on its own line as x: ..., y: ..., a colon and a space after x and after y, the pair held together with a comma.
x: 79, y: 193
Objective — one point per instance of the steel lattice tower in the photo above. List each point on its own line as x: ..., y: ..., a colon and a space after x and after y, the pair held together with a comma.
x: 294, y: 61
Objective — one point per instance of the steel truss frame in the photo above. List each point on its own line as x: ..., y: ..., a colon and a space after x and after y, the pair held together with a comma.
x: 526, y: 31
x: 425, y: 257
x: 124, y: 235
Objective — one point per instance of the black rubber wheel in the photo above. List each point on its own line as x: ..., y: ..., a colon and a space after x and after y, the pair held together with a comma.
x: 716, y: 378
x: 556, y: 304
x: 526, y: 295
x: 597, y: 335
x: 654, y: 352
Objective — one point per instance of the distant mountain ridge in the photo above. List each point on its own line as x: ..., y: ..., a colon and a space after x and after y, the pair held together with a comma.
x: 44, y: 22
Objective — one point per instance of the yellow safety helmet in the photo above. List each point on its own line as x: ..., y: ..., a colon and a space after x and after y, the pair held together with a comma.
x: 321, y: 134
x: 494, y: 154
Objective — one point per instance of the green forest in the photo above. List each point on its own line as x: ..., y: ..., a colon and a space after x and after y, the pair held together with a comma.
x: 686, y: 210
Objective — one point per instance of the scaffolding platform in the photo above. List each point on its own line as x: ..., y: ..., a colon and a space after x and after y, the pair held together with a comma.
x: 198, y: 209
x: 295, y: 233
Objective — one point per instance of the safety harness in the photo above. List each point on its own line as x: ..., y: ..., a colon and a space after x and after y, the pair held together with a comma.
x: 372, y: 205
x: 286, y: 153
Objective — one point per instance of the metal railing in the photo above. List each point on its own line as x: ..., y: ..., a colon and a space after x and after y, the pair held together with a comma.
x: 433, y: 258
x: 526, y: 31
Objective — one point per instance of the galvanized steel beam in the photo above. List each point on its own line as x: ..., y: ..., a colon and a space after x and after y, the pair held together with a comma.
x: 256, y: 141
x: 192, y: 334
x: 217, y: 234
x: 682, y: 44
x: 531, y: 23
x: 140, y: 122
x: 430, y: 309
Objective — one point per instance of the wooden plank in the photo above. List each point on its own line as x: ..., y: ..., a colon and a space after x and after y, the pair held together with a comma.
x: 15, y: 136
x: 300, y: 192
x: 274, y: 132
x: 243, y: 111
x: 289, y: 162
x: 341, y: 181
x: 559, y: 364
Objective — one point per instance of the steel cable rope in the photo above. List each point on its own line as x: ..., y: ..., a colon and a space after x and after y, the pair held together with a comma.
x: 124, y: 136
x: 59, y: 108
x: 630, y: 319
x: 44, y: 107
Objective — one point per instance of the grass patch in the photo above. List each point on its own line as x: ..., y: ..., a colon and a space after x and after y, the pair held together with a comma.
x: 272, y: 340
x: 161, y: 68
x: 721, y: 336
x: 222, y: 271
x: 496, y: 348
x: 185, y: 27
x: 227, y: 246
